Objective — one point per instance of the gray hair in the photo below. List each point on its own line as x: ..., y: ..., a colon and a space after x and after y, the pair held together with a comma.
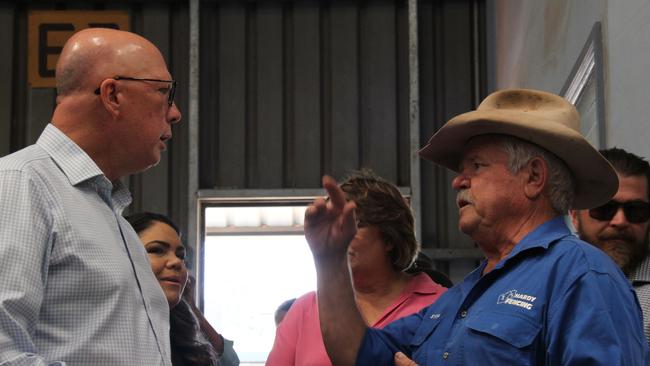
x: 561, y: 186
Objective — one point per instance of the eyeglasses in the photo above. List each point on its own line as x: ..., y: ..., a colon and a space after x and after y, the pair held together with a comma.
x: 172, y: 86
x: 636, y: 212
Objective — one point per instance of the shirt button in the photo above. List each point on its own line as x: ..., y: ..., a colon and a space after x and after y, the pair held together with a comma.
x: 463, y: 313
x: 445, y: 355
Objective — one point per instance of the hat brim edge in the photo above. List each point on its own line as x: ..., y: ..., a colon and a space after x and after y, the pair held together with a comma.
x: 595, y: 179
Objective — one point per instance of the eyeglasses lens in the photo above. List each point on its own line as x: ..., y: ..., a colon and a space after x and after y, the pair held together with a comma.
x: 635, y: 212
x: 172, y: 93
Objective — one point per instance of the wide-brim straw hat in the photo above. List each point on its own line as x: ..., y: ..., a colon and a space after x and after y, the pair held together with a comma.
x: 541, y: 118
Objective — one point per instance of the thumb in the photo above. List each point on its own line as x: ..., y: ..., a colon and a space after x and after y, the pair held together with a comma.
x: 401, y: 360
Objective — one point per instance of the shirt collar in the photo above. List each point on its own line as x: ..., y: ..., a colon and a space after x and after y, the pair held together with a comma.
x: 541, y: 237
x: 78, y: 167
x: 121, y: 195
x: 73, y: 161
x: 641, y: 273
x: 423, y: 284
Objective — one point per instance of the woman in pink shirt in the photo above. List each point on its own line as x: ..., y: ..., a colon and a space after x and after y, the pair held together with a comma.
x: 382, y: 250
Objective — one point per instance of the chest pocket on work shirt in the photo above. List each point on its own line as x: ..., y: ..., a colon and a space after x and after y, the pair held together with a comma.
x: 501, y: 338
x: 424, y: 330
x: 421, y: 350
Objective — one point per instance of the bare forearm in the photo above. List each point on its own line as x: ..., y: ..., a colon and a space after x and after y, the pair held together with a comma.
x: 330, y: 226
x: 342, y: 326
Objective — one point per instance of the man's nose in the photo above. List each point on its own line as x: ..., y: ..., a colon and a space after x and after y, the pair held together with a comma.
x: 460, y: 182
x: 619, y: 218
x: 174, y: 114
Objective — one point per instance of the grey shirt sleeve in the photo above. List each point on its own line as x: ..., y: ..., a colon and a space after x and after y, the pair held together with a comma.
x: 229, y: 356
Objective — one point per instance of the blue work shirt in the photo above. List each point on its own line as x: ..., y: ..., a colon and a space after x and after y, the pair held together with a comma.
x: 554, y: 300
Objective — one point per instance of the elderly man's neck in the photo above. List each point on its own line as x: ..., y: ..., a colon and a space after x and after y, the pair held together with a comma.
x: 498, y: 242
x: 84, y: 125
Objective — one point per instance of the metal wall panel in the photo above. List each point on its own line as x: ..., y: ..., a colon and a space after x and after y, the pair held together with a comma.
x: 303, y: 104
x: 225, y: 96
x: 178, y: 149
x: 321, y: 84
x: 150, y: 187
x: 7, y: 75
x: 341, y: 105
x: 448, y: 86
x: 379, y: 89
x: 266, y: 97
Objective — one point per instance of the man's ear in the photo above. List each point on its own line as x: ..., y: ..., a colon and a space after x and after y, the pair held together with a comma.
x: 536, y: 177
x: 109, y: 97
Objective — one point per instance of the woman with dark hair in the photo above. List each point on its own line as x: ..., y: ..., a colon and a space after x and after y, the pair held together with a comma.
x: 383, y: 248
x: 188, y: 328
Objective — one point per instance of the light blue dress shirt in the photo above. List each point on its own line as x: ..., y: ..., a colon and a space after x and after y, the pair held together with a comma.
x: 640, y: 278
x: 554, y: 300
x: 76, y: 287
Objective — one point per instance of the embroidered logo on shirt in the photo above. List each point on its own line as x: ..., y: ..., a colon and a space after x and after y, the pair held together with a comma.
x: 512, y: 297
x: 435, y: 316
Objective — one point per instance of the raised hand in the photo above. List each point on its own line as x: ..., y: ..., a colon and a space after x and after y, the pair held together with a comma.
x: 330, y: 225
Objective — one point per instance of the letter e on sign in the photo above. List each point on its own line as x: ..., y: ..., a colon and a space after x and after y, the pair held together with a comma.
x: 47, y: 32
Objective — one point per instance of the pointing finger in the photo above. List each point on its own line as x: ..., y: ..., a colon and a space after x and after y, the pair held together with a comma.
x: 337, y: 197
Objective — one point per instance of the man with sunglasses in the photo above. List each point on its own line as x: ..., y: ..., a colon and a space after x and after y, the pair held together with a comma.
x: 76, y: 287
x: 620, y: 226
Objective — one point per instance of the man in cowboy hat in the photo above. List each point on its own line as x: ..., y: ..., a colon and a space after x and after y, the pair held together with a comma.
x: 541, y: 296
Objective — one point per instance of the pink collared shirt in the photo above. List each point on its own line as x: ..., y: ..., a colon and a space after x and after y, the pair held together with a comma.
x: 298, y: 340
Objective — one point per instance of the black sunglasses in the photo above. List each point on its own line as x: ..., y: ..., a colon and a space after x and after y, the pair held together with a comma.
x: 172, y: 87
x: 636, y: 212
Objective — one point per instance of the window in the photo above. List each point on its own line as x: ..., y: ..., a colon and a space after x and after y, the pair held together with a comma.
x: 254, y: 257
x: 584, y: 89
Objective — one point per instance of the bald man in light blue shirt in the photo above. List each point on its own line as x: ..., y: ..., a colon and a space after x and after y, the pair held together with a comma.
x: 76, y: 284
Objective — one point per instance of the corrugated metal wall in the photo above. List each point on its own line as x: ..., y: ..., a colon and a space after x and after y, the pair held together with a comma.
x: 452, y: 81
x: 289, y: 90
x: 292, y: 89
